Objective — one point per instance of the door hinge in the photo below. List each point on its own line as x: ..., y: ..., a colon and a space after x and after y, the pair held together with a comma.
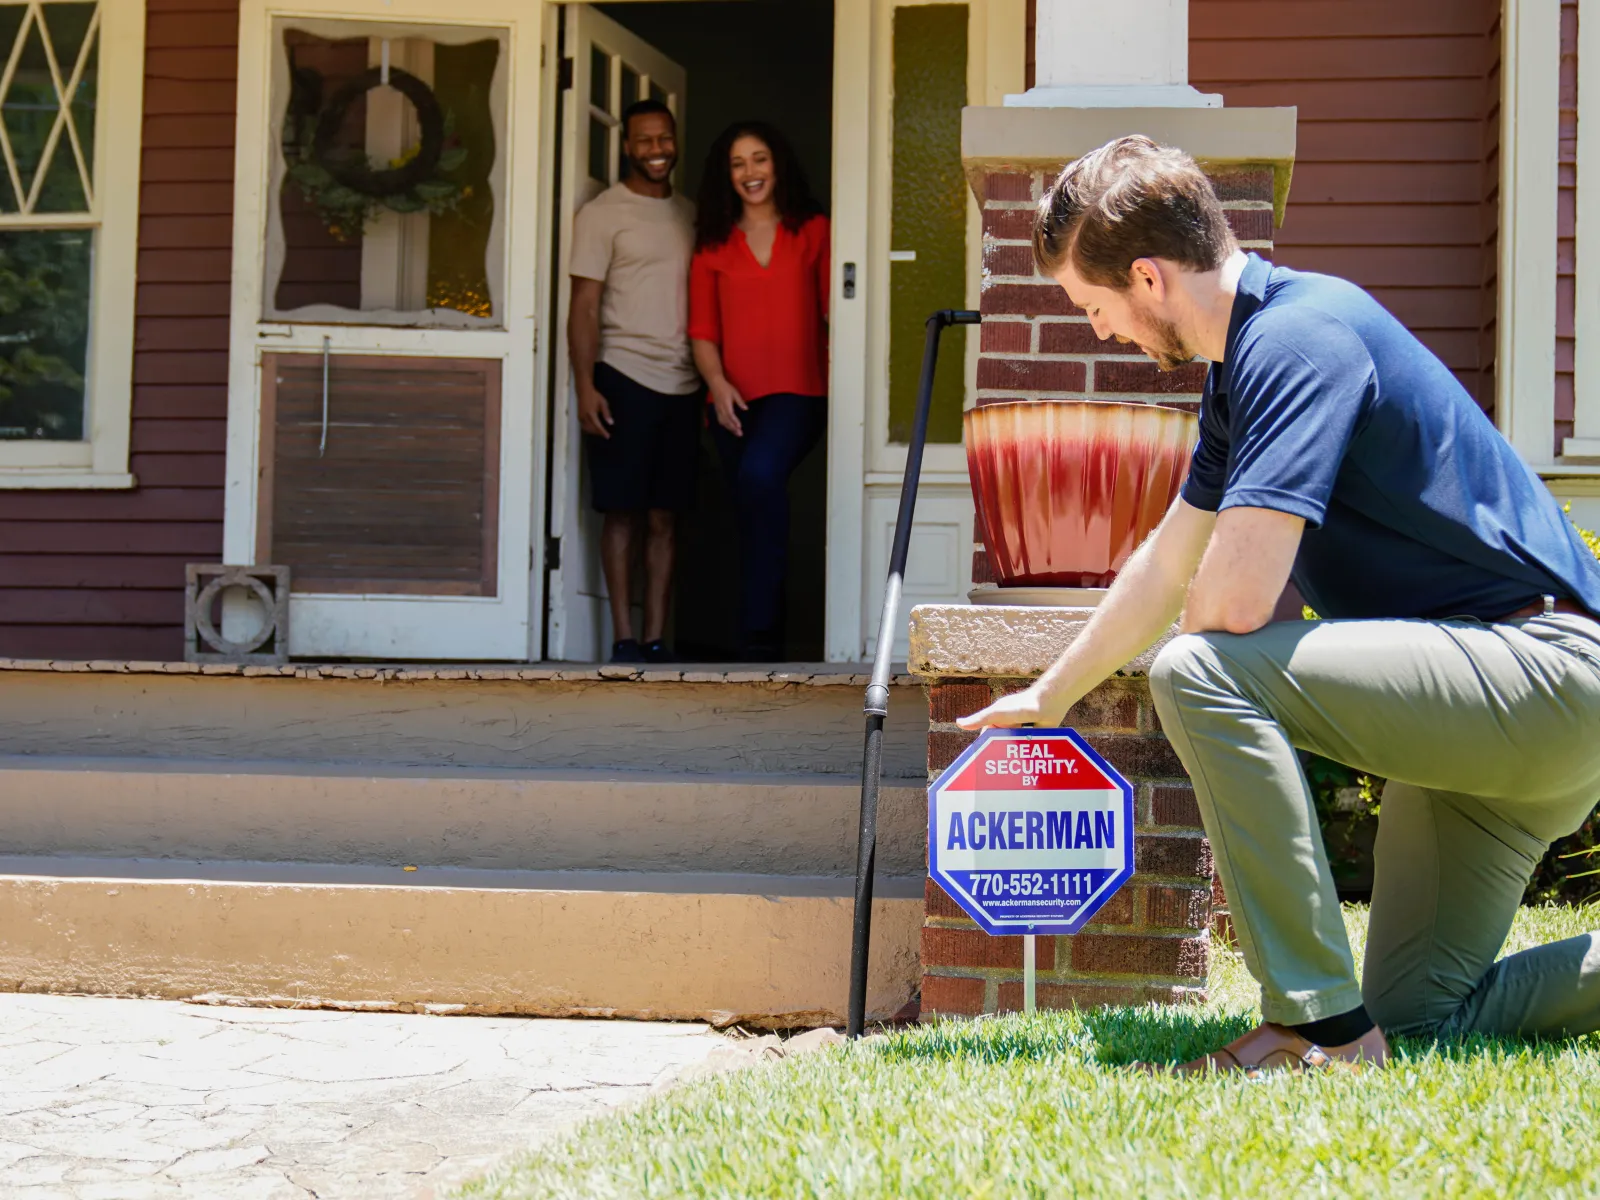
x: 564, y: 77
x: 552, y: 554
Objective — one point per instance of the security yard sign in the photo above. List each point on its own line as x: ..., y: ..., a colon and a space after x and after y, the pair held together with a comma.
x: 1030, y: 831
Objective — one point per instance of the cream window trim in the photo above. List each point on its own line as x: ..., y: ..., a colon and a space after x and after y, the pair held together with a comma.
x: 1529, y: 162
x: 1585, y: 439
x: 101, y: 460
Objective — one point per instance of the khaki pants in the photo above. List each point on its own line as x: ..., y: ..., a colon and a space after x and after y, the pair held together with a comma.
x: 1489, y: 736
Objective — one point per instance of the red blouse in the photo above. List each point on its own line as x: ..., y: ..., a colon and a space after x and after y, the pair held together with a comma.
x: 770, y: 323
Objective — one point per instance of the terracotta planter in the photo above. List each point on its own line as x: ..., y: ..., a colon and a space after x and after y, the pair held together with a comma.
x: 1067, y: 489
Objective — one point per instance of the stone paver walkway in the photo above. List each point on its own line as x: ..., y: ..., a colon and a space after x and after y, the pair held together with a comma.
x: 136, y: 1099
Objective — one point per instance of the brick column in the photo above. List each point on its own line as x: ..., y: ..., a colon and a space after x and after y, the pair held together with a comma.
x: 1151, y: 941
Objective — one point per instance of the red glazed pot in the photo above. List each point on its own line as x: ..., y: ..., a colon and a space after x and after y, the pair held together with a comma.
x: 1067, y: 489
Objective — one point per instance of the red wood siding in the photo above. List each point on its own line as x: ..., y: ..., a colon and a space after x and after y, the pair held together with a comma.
x: 1395, y: 102
x: 1489, y: 292
x: 1566, y: 221
x: 100, y: 574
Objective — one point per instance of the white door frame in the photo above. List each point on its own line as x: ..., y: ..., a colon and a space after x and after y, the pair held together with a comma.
x: 497, y: 627
x: 864, y: 473
x: 579, y: 624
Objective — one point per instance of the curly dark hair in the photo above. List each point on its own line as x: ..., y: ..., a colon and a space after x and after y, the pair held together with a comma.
x: 719, y: 205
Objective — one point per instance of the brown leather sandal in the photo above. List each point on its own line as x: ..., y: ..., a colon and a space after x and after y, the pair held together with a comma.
x: 1269, y: 1048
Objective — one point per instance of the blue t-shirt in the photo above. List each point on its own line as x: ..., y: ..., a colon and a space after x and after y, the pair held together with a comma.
x: 1327, y: 408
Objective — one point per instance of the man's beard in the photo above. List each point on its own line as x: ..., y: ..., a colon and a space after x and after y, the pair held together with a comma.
x: 638, y: 168
x: 1162, y: 342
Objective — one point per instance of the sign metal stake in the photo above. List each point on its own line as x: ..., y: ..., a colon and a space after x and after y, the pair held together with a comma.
x: 1029, y: 971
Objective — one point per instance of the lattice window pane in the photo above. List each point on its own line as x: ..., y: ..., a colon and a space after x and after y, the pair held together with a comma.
x: 48, y: 94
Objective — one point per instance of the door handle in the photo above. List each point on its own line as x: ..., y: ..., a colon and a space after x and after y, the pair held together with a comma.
x: 902, y: 256
x: 322, y: 446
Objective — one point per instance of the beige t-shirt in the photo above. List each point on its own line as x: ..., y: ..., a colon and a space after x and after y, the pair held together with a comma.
x: 640, y: 248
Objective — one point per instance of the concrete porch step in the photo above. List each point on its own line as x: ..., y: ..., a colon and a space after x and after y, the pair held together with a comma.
x: 761, y: 948
x: 493, y: 819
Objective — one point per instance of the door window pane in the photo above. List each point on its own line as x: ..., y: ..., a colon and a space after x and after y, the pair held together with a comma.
x: 387, y: 193
x: 929, y: 212
x: 45, y: 279
x: 599, y: 149
x: 599, y: 79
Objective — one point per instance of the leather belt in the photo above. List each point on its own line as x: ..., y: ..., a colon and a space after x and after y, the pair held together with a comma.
x: 1536, y: 609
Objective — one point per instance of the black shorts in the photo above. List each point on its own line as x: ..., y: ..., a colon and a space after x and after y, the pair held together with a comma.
x: 650, y: 459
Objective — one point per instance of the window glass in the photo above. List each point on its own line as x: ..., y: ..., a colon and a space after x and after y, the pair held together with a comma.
x: 47, y: 139
x: 45, y: 279
x: 386, y: 191
x: 929, y: 212
x: 599, y: 149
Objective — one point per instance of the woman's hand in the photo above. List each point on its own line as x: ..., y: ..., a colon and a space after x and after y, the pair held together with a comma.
x: 725, y: 398
x: 1027, y: 707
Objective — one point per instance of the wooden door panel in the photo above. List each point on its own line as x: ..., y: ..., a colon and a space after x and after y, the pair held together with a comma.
x: 398, y: 493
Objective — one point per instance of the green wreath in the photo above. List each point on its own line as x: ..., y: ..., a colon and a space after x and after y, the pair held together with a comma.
x: 342, y: 183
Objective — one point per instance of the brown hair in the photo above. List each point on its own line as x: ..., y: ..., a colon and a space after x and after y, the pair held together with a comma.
x: 1130, y: 199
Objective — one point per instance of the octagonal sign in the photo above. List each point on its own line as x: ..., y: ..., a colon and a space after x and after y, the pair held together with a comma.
x: 1030, y: 831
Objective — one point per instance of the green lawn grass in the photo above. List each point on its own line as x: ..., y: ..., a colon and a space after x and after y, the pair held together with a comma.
x: 1041, y: 1106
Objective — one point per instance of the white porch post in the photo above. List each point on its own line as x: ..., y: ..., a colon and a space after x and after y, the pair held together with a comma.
x: 1131, y: 54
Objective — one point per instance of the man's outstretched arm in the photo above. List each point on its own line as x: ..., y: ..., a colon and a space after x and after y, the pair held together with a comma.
x: 1237, y: 563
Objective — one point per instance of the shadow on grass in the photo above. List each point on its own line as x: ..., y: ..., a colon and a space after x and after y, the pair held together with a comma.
x: 1110, y: 1037
x: 1116, y: 1037
x: 1159, y: 1035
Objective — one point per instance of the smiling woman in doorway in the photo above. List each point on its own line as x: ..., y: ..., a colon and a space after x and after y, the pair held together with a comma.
x: 758, y: 322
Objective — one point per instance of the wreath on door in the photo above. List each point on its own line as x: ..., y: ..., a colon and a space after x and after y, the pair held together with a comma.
x: 342, y: 183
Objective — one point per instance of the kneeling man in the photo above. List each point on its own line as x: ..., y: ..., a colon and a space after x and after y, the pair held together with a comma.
x: 1460, y: 660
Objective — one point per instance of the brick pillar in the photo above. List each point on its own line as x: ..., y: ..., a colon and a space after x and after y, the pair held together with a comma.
x: 1038, y: 346
x: 1151, y: 941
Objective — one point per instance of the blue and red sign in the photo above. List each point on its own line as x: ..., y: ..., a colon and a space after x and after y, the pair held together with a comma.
x: 1030, y: 831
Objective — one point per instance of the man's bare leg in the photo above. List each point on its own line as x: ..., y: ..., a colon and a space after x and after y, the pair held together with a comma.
x: 616, y: 561
x: 660, y: 550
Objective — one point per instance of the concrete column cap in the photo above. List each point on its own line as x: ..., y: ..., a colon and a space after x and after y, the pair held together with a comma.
x: 1000, y: 642
x: 1034, y: 139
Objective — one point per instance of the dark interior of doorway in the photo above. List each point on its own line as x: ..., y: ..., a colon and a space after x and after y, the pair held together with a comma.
x: 770, y: 60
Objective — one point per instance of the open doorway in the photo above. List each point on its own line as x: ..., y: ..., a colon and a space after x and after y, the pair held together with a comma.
x: 768, y: 60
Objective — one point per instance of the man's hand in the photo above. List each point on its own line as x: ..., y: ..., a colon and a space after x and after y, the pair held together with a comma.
x: 1028, y: 707
x: 725, y: 398
x: 594, y: 414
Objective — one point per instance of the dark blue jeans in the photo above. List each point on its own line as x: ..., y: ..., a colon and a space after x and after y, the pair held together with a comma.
x: 779, y: 431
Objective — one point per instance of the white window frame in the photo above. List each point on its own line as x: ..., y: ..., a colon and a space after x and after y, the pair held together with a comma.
x: 1525, y: 354
x: 1585, y: 440
x: 101, y: 460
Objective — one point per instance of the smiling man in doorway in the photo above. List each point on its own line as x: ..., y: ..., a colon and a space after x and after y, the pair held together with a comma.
x: 1463, y: 664
x: 639, y: 397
